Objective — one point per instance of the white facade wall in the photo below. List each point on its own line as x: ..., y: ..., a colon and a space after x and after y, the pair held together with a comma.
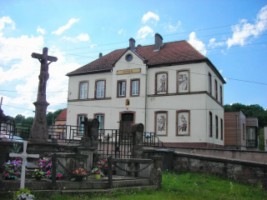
x: 198, y: 101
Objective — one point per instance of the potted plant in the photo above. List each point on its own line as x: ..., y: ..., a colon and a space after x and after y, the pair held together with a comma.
x: 38, y: 174
x: 79, y: 174
x: 97, y: 172
x: 24, y: 194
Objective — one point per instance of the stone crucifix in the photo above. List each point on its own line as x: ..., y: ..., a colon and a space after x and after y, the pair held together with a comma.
x: 24, y: 157
x: 39, y: 127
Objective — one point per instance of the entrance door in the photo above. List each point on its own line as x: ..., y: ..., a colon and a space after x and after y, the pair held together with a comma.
x: 127, y: 120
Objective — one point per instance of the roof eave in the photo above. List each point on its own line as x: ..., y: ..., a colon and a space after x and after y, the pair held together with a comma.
x: 206, y: 60
x: 91, y: 72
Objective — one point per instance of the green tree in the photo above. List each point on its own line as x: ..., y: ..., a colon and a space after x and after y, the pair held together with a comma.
x: 51, y: 116
x: 249, y: 111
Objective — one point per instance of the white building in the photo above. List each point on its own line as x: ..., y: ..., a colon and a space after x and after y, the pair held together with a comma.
x: 171, y: 88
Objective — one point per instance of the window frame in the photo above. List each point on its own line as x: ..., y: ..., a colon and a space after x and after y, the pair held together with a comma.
x: 216, y: 89
x: 221, y: 95
x: 188, y: 81
x: 217, y: 126
x: 156, y: 83
x: 210, y: 83
x: 210, y: 125
x: 80, y: 126
x: 80, y: 89
x: 178, y: 130
x: 103, y: 122
x: 131, y: 85
x: 163, y: 113
x: 96, y: 89
x: 119, y: 86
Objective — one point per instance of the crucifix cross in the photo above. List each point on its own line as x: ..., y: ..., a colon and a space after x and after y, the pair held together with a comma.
x: 39, y: 127
x: 45, y: 60
x: 24, y: 155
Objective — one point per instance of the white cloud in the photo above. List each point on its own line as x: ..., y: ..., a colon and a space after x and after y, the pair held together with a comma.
x: 19, y: 73
x: 214, y: 44
x: 150, y: 16
x: 65, y: 27
x: 122, y: 31
x: 198, y: 44
x: 171, y: 28
x: 41, y: 30
x: 6, y: 20
x: 144, y: 32
x: 83, y: 37
x: 244, y: 30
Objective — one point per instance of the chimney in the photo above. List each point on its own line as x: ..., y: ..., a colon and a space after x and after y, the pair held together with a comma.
x: 158, y: 42
x: 132, y: 44
x: 100, y: 55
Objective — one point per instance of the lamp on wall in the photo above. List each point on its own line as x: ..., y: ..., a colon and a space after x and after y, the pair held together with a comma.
x: 127, y: 103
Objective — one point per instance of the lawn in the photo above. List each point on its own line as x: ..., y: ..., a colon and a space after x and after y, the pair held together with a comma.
x: 184, y: 186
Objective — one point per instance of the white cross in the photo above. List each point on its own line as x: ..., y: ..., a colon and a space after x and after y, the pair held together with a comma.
x: 24, y: 157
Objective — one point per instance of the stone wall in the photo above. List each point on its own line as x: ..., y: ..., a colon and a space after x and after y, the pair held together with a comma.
x: 255, y: 156
x: 242, y: 171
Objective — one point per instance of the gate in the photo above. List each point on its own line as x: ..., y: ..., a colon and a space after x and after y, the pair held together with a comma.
x: 112, y: 142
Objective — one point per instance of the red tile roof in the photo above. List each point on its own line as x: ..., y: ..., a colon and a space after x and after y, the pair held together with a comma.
x: 62, y: 115
x: 171, y: 53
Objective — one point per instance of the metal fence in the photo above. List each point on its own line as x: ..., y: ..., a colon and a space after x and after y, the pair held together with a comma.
x: 112, y: 142
x: 150, y: 139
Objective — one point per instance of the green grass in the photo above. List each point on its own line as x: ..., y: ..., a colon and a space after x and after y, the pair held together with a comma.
x: 184, y: 186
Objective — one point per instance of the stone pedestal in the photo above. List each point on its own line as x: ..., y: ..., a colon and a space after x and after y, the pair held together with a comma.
x: 137, y: 131
x: 39, y: 132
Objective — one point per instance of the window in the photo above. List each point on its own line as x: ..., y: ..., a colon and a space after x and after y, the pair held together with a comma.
x: 83, y: 90
x: 221, y: 129
x: 217, y: 126
x: 183, y: 123
x: 216, y: 89
x: 80, y: 124
x: 161, y: 83
x: 135, y: 87
x: 100, y: 89
x: 100, y: 118
x: 121, y: 89
x: 251, y: 137
x: 210, y: 84
x: 210, y: 121
x: 129, y: 57
x: 161, y: 123
x: 183, y: 81
x: 221, y: 95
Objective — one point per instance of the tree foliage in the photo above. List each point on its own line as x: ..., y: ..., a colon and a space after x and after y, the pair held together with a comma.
x: 254, y: 110
x: 51, y: 116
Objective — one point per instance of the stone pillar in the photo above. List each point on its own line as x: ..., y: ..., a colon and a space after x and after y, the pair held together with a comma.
x: 137, y: 133
x: 156, y: 172
x: 89, y: 141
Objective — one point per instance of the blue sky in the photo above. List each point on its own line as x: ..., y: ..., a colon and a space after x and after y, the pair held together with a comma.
x: 232, y: 34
